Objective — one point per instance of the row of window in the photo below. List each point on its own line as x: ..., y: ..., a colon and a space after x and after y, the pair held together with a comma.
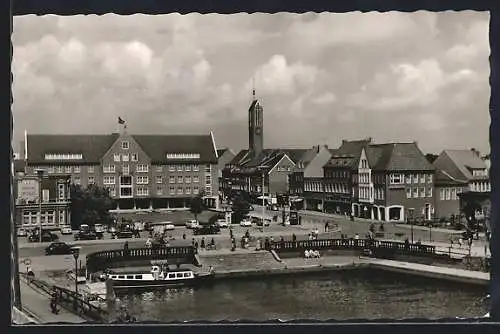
x: 480, y: 186
x: 364, y: 178
x: 47, y: 217
x: 336, y: 174
x: 398, y: 178
x: 365, y: 193
x: 313, y: 186
x: 158, y: 179
x: 284, y: 169
x: 449, y: 194
x: 144, y: 191
x: 418, y: 192
x: 140, y: 168
x: 337, y: 188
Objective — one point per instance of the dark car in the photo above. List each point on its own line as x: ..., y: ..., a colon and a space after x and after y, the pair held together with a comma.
x: 59, y: 248
x: 46, y: 237
x: 89, y: 235
x: 206, y: 229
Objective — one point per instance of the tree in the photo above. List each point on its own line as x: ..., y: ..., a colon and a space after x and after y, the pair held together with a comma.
x: 471, y: 206
x: 240, y: 208
x: 196, y: 206
x: 90, y: 205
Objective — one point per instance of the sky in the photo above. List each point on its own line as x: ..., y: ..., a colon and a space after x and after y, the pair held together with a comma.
x: 321, y: 78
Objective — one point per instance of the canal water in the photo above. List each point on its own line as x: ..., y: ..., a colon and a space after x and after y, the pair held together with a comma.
x: 360, y: 294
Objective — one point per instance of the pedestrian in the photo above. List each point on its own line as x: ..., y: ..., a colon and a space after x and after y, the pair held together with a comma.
x: 326, y: 226
x: 196, y: 245
x: 202, y: 243
x: 459, y: 243
x: 294, y: 237
x: 184, y: 236
x: 125, y: 248
x: 212, y: 242
x: 192, y: 242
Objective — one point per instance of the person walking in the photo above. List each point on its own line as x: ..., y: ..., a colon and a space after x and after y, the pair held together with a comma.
x: 125, y: 248
x: 202, y: 243
x: 326, y: 226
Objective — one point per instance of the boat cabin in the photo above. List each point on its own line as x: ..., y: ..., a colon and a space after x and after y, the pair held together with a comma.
x: 156, y: 273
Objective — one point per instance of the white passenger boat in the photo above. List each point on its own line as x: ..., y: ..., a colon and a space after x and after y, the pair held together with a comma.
x: 157, y: 277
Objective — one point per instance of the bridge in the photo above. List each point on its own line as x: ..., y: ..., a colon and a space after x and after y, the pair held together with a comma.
x: 112, y: 258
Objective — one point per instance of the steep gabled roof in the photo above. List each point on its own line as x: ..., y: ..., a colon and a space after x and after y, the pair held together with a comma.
x: 443, y: 178
x: 92, y: 147
x: 464, y: 161
x: 158, y: 146
x: 403, y: 157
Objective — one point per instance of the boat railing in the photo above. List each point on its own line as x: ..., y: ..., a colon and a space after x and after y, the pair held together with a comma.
x: 101, y: 260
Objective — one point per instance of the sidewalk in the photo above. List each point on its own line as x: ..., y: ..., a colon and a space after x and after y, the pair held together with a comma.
x: 37, y: 305
x: 331, y: 215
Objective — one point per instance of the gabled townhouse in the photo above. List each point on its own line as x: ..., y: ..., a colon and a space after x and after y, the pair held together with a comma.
x: 313, y: 177
x: 338, y: 176
x: 140, y: 171
x: 386, y: 182
x: 460, y: 173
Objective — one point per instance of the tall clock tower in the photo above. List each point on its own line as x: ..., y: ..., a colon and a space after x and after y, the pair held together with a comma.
x: 255, y: 126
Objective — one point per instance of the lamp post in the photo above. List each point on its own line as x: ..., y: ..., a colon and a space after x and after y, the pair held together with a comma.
x: 263, y: 202
x: 40, y: 179
x: 76, y: 254
x: 410, y: 218
x: 433, y: 218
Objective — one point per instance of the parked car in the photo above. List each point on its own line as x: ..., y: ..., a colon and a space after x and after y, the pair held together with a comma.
x: 85, y: 233
x: 262, y: 222
x: 206, y: 229
x: 245, y: 222
x: 46, y: 236
x: 192, y: 223
x: 221, y: 223
x: 66, y: 230
x: 169, y: 227
x: 111, y: 229
x: 59, y: 248
x: 21, y: 232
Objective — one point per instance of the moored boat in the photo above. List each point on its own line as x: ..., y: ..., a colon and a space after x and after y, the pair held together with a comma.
x: 157, y: 277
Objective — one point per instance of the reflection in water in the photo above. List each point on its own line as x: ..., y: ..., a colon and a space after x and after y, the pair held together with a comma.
x: 336, y: 295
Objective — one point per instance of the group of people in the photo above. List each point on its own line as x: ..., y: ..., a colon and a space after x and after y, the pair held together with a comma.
x: 311, y: 254
x: 314, y: 234
x: 203, y: 244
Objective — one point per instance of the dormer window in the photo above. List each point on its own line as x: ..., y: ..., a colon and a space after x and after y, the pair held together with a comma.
x: 125, y: 145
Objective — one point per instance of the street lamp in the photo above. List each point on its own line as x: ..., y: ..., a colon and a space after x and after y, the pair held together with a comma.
x: 433, y: 218
x: 40, y: 179
x: 410, y: 218
x: 76, y: 254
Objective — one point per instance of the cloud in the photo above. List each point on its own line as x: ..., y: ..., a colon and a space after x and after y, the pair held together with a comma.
x: 326, y: 98
x: 419, y: 84
x: 279, y: 77
x: 388, y: 75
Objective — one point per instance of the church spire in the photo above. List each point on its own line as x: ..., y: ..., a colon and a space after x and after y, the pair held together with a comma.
x: 253, y: 88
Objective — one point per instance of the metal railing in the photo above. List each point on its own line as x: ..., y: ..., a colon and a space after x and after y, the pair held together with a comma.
x: 353, y: 244
x: 101, y: 260
x: 71, y: 299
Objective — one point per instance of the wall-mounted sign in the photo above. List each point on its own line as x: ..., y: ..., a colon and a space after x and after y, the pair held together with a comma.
x: 27, y: 189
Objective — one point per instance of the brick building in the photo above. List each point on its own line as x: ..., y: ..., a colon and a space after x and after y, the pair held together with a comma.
x: 380, y: 181
x: 457, y: 172
x: 55, y: 200
x: 140, y: 171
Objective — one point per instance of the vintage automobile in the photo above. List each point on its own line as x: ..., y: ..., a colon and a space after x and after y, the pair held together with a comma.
x: 192, y: 224
x: 46, y: 236
x: 206, y: 229
x: 21, y: 232
x: 66, y: 230
x: 60, y: 248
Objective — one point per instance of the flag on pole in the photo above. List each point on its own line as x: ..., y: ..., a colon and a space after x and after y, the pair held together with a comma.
x: 120, y: 120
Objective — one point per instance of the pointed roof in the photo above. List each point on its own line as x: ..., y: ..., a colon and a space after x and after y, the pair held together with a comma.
x: 460, y: 163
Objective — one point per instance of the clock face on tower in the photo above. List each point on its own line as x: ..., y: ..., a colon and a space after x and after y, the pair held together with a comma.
x: 257, y: 131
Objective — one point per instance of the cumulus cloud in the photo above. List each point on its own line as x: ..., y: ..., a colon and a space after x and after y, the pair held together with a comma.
x: 391, y: 75
x: 326, y: 98
x: 277, y: 76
